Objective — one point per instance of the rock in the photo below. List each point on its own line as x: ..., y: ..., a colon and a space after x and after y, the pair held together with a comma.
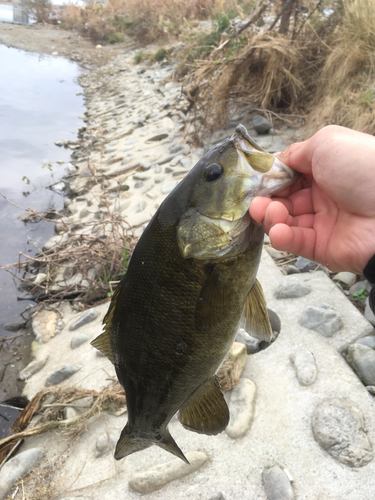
x: 158, y: 476
x: 218, y: 496
x: 185, y: 162
x: 371, y: 389
x: 274, y: 320
x: 277, y: 484
x: 322, y: 319
x: 61, y: 375
x: 362, y: 359
x: 106, y: 443
x: 168, y: 186
x: 78, y: 340
x: 252, y: 344
x: 261, y: 124
x: 242, y: 405
x: 291, y: 269
x: 368, y: 314
x: 33, y: 367
x: 84, y: 319
x: 13, y: 327
x: 362, y: 285
x: 305, y: 366
x: 84, y: 213
x: 276, y: 254
x: 339, y: 428
x: 44, y: 325
x: 59, y: 143
x: 306, y: 265
x: 345, y: 278
x: 291, y: 290
x: 16, y: 468
x: 369, y: 341
x: 175, y: 149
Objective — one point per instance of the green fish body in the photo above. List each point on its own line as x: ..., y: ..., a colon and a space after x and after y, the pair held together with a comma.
x: 190, y: 282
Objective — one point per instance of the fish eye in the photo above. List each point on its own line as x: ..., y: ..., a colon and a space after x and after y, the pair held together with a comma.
x: 212, y: 172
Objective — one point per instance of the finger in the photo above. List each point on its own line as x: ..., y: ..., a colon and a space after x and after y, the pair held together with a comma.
x: 258, y: 208
x: 298, y: 156
x: 296, y: 240
x: 276, y: 213
x: 300, y: 203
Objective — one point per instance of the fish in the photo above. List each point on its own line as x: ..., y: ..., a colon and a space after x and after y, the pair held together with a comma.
x: 190, y: 283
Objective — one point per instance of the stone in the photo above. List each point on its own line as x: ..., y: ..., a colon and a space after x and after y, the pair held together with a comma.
x: 242, y: 405
x: 277, y: 484
x: 291, y: 269
x: 168, y: 186
x: 78, y: 340
x: 261, y: 124
x: 371, y: 389
x: 362, y: 285
x: 251, y: 343
x: 304, y: 363
x: 322, y: 319
x: 175, y: 149
x: 306, y: 265
x: 276, y: 254
x: 106, y: 443
x: 84, y: 213
x: 156, y: 477
x: 186, y: 162
x: 218, y: 496
x: 33, y: 367
x: 339, y: 428
x: 44, y: 325
x: 13, y: 327
x: 368, y: 314
x: 345, y: 278
x: 369, y: 341
x: 291, y: 290
x: 16, y: 468
x: 274, y: 320
x: 362, y: 359
x: 85, y: 318
x: 59, y: 376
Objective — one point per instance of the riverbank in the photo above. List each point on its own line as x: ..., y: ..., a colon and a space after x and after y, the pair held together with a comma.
x: 295, y: 398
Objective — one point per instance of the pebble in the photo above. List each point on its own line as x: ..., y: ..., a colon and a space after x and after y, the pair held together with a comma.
x: 61, y: 375
x: 13, y: 327
x: 304, y: 363
x: 291, y: 290
x: 362, y: 359
x: 345, y: 278
x: 44, y: 325
x: 186, y: 162
x: 33, y: 367
x: 306, y: 265
x: 291, y: 269
x: 156, y: 477
x: 252, y: 344
x: 371, y: 389
x: 357, y: 287
x: 339, y: 428
x: 16, y: 468
x: 242, y: 406
x: 369, y: 341
x: 218, y: 496
x: 277, y: 484
x: 276, y: 254
x: 106, y: 443
x: 368, y: 314
x: 322, y: 319
x: 78, y: 340
x: 168, y: 186
x: 261, y: 124
x: 85, y: 318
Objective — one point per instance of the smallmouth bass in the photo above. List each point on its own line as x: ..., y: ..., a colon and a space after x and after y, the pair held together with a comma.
x: 191, y: 282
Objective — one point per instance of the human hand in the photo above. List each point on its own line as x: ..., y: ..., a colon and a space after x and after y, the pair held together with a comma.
x: 329, y: 214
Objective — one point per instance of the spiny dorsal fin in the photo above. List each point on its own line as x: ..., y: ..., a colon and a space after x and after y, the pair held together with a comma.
x: 206, y: 411
x: 103, y: 342
x: 255, y: 318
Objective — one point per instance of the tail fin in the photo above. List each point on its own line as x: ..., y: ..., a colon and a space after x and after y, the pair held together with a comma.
x: 128, y: 444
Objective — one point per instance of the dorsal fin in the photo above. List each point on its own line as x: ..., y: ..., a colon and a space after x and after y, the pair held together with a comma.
x: 103, y: 341
x: 255, y: 318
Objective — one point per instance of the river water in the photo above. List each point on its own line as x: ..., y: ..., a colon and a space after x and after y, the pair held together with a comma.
x: 38, y: 105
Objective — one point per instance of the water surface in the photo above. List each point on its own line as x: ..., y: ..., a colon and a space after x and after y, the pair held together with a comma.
x: 38, y: 105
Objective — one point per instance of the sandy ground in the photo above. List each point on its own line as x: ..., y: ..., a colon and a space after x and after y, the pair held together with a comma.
x: 47, y: 39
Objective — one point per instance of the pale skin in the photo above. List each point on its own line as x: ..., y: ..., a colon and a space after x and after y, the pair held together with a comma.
x: 329, y: 214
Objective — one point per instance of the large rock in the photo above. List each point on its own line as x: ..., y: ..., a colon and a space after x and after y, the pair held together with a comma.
x: 340, y: 429
x: 158, y: 476
x: 16, y: 468
x: 362, y: 359
x: 322, y: 319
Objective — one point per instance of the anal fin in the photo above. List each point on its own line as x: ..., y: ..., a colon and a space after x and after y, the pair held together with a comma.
x: 255, y: 318
x: 206, y: 411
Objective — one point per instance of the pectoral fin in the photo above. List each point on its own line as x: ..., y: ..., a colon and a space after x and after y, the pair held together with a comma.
x: 103, y: 342
x: 255, y: 318
x: 206, y: 411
